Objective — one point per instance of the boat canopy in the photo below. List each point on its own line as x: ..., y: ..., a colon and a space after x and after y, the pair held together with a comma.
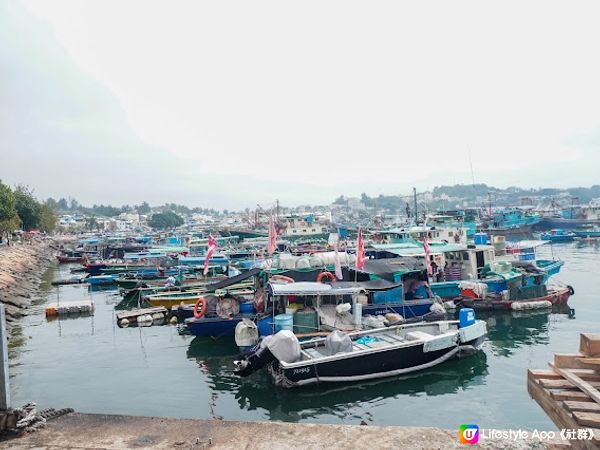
x: 526, y: 244
x: 418, y: 250
x: 312, y: 288
x: 392, y: 265
x: 233, y: 280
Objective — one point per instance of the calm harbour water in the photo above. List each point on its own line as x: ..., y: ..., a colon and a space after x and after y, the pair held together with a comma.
x: 93, y: 366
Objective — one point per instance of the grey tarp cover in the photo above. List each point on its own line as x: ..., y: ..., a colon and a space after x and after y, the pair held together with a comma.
x: 338, y: 342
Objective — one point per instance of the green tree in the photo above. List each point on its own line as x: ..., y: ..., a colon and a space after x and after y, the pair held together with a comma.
x: 73, y: 205
x: 62, y: 205
x: 144, y: 208
x: 48, y: 217
x: 52, y: 203
x: 28, y: 208
x: 165, y: 220
x: 91, y: 223
x: 9, y: 219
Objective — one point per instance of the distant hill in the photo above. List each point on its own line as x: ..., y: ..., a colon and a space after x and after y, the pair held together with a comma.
x: 476, y: 195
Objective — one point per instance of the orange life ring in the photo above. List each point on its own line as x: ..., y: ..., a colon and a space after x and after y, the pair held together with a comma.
x: 325, y: 274
x: 282, y: 278
x: 199, y: 315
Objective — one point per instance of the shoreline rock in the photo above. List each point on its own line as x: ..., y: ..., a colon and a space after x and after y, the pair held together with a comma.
x: 22, y: 267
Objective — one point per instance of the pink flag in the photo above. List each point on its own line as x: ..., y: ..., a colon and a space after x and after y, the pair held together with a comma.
x: 212, y: 248
x: 427, y: 256
x: 272, y: 236
x: 360, y: 251
x: 338, y: 265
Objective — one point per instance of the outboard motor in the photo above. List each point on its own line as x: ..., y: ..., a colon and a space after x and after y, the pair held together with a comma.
x: 283, y: 346
x: 246, y: 335
x: 253, y: 362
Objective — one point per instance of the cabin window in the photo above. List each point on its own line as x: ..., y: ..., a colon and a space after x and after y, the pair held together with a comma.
x: 450, y: 233
x: 314, y: 229
x: 465, y: 256
x: 295, y: 231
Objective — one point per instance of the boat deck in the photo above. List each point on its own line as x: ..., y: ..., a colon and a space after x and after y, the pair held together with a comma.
x: 390, y: 337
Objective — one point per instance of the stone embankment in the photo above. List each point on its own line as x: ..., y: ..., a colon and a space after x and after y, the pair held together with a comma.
x: 22, y: 267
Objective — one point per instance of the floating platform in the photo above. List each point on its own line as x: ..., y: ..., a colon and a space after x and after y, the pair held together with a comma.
x: 568, y: 391
x: 57, y: 309
x: 142, y: 317
x: 72, y: 280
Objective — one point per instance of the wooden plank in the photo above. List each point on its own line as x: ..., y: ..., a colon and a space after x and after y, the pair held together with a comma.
x: 582, y: 406
x: 586, y: 374
x: 313, y: 334
x: 569, y: 395
x: 587, y: 419
x: 583, y: 373
x: 559, y: 415
x: 568, y: 361
x: 543, y: 373
x: 138, y: 312
x: 589, y: 344
x: 557, y: 384
x: 588, y: 387
x: 589, y: 361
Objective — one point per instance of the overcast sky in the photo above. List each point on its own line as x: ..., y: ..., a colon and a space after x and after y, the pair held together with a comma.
x: 226, y: 104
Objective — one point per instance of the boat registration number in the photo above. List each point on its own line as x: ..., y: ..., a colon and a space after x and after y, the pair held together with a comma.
x: 301, y: 370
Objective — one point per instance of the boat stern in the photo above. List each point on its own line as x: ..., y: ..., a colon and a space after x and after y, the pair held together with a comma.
x: 471, y: 338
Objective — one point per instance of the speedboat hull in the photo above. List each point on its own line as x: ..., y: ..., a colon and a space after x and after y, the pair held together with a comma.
x: 377, y: 353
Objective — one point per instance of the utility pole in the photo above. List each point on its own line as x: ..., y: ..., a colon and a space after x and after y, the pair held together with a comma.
x: 415, y: 199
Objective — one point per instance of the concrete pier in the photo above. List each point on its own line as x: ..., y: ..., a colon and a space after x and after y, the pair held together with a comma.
x: 117, y: 432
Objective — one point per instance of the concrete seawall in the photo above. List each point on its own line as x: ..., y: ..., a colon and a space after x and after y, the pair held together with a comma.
x: 116, y: 432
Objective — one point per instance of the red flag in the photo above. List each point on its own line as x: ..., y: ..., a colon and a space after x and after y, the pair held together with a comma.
x: 212, y: 248
x: 360, y: 251
x: 338, y: 265
x: 272, y: 236
x: 427, y: 256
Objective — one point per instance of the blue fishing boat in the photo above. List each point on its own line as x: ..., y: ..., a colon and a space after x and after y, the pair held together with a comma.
x: 494, y: 265
x: 509, y: 221
x: 391, y: 285
x: 214, y: 327
x: 102, y: 280
x: 558, y: 236
x: 588, y: 232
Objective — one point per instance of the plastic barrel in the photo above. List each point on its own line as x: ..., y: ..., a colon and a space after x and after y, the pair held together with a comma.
x: 247, y: 308
x: 480, y: 238
x: 284, y: 322
x: 265, y: 326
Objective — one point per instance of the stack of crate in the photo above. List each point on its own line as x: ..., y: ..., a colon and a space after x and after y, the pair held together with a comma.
x: 568, y: 391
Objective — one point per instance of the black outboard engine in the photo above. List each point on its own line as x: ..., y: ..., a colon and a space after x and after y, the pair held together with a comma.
x: 253, y: 362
